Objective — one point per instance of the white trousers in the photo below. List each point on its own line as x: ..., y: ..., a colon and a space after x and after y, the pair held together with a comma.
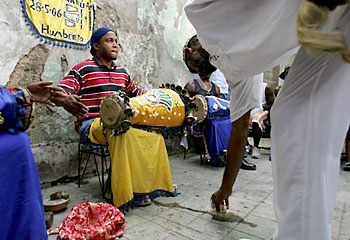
x: 311, y: 115
x: 310, y: 119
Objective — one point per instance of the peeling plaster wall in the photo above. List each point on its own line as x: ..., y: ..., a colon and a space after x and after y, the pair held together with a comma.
x: 152, y: 34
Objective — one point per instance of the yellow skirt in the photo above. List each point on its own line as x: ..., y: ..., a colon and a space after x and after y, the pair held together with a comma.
x: 140, y: 164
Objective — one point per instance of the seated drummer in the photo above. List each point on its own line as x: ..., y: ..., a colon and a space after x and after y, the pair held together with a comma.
x: 85, y: 87
x: 91, y: 80
x: 197, y: 60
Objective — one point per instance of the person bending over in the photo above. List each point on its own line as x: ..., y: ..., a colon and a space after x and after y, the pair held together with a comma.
x: 306, y: 143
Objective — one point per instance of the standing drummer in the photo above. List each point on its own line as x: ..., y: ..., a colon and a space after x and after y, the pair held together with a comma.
x: 91, y: 80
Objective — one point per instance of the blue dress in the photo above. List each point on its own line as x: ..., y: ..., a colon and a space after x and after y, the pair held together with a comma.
x: 21, y: 206
x: 216, y: 127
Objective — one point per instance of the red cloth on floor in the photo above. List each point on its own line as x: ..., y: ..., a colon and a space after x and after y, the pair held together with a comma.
x: 92, y: 221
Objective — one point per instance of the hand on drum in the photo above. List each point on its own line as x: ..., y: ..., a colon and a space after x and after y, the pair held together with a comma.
x: 221, y: 198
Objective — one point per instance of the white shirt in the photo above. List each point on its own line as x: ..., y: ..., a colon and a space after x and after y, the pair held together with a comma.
x: 218, y: 78
x: 245, y: 37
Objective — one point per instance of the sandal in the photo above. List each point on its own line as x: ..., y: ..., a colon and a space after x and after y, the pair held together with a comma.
x: 146, y: 201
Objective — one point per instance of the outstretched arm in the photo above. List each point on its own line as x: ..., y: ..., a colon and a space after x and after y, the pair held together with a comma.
x: 43, y: 91
x: 71, y: 103
x: 235, y: 152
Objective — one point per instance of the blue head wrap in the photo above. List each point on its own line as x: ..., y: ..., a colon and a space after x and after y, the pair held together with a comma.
x: 97, y: 35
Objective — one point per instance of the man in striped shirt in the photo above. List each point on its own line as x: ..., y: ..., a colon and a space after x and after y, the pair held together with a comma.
x: 85, y: 86
x: 90, y: 81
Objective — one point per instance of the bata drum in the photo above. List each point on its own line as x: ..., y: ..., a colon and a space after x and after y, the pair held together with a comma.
x: 165, y: 110
x: 215, y: 129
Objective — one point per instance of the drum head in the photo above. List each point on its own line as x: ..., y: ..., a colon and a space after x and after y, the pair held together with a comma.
x: 112, y: 111
x: 200, y: 109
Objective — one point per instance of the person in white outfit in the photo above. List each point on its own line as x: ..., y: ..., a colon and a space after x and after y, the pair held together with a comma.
x: 218, y: 78
x: 257, y: 116
x: 248, y: 37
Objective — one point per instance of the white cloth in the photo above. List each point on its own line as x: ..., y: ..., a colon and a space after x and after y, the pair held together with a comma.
x: 310, y: 119
x: 245, y: 96
x: 260, y: 91
x: 263, y: 95
x: 245, y: 37
x: 280, y: 81
x: 310, y: 116
x: 218, y: 78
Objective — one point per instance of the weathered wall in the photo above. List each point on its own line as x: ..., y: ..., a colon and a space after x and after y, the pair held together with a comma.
x: 151, y: 33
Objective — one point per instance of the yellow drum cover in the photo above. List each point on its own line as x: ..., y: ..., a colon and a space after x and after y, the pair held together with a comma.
x: 159, y: 108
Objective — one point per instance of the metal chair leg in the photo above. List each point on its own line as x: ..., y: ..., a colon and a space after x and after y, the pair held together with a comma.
x: 102, y: 163
x: 79, y: 163
x: 94, y: 150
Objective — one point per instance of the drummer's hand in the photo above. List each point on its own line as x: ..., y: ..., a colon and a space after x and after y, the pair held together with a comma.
x: 221, y: 196
x: 73, y: 105
x: 58, y: 97
x: 43, y: 91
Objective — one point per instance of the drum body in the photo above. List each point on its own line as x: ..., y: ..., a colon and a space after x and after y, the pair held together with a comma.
x: 162, y: 110
x: 159, y: 108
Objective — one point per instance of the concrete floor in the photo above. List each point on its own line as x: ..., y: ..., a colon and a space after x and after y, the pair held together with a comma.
x: 252, y: 199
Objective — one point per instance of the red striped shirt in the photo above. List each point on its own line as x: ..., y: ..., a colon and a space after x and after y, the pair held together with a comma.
x: 92, y: 80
